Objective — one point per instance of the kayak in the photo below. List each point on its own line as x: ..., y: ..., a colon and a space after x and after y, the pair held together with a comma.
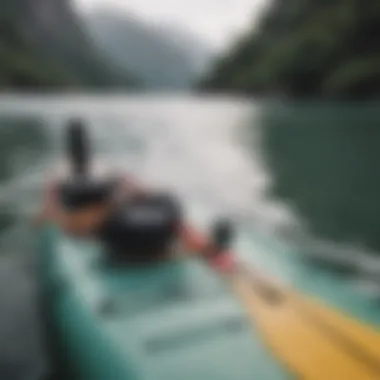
x: 182, y: 320
x: 174, y: 320
x: 188, y: 318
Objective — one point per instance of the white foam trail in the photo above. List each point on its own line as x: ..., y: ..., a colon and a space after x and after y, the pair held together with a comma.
x: 182, y: 144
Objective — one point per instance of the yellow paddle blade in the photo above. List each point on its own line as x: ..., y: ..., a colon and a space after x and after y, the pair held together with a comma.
x: 294, y: 328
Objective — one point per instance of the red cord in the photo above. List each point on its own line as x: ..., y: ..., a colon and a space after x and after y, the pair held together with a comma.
x: 223, y: 263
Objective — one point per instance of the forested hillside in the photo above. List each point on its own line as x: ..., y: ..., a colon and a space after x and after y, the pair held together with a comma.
x: 306, y: 49
x: 44, y: 46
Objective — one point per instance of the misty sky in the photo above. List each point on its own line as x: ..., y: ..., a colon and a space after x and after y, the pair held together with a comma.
x: 217, y: 21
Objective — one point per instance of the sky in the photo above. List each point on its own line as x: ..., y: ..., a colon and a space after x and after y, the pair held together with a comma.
x: 216, y: 21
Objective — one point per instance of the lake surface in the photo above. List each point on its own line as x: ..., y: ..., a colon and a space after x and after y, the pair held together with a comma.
x: 223, y: 157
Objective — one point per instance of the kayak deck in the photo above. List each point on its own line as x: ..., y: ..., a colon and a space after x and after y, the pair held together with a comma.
x: 177, y: 320
x: 182, y: 320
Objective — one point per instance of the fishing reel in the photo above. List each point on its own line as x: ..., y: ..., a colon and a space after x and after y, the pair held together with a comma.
x: 83, y: 198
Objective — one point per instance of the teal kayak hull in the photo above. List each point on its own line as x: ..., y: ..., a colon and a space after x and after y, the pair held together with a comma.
x: 173, y: 321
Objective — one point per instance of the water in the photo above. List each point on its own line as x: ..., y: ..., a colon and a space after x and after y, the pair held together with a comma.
x: 211, y: 152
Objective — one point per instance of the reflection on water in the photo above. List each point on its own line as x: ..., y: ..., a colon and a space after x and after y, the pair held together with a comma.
x: 325, y: 161
x: 22, y: 143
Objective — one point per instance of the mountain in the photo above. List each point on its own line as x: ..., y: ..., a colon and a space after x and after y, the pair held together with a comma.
x: 163, y: 57
x: 306, y: 49
x: 43, y: 45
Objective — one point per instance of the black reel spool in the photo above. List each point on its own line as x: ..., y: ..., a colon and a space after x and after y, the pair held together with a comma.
x: 82, y: 193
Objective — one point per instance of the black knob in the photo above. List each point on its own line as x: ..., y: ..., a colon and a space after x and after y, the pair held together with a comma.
x: 222, y: 234
x: 78, y: 146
